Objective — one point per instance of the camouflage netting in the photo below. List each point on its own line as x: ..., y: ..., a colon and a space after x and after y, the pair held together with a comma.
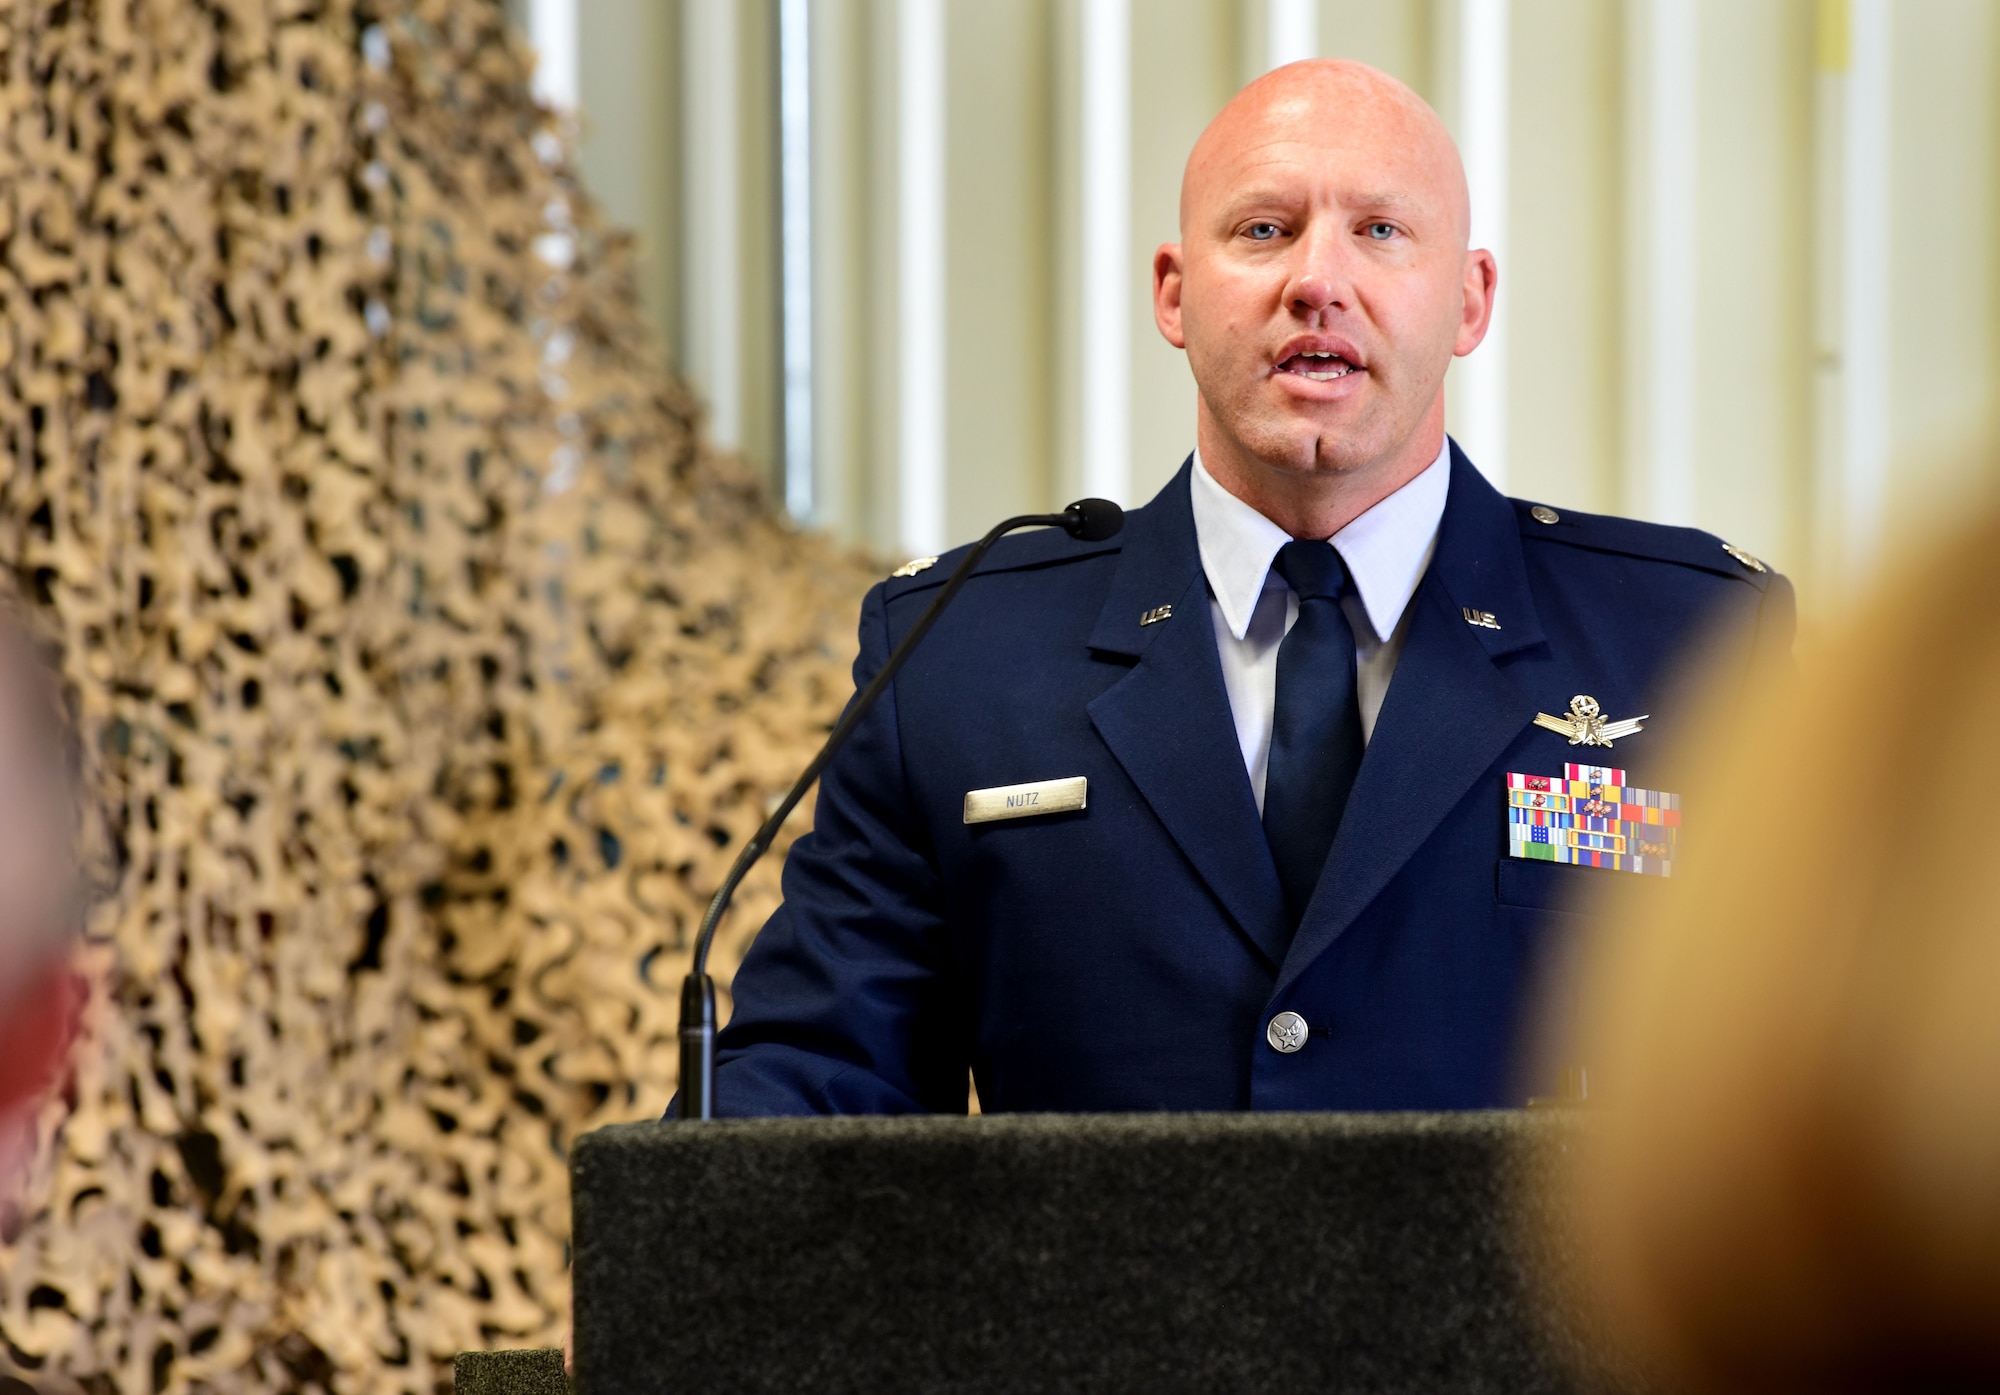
x: 429, y: 674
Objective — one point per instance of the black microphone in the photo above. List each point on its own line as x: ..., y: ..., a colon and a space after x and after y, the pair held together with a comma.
x: 1088, y: 520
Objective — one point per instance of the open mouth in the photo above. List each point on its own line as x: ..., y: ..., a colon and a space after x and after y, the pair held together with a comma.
x: 1320, y: 367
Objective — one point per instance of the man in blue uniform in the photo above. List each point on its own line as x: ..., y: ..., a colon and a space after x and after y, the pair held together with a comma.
x: 1216, y: 814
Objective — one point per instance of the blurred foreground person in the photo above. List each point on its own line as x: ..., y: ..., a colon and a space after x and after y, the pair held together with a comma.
x: 39, y: 993
x: 1793, y: 1180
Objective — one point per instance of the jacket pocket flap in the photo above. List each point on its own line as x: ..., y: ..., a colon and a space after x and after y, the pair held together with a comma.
x: 1548, y: 886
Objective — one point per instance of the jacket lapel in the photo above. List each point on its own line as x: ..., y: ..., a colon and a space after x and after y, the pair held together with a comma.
x: 1167, y: 721
x: 1449, y: 715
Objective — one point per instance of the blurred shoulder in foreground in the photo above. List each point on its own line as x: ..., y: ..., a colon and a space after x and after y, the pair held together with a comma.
x: 1791, y: 1180
x: 39, y: 908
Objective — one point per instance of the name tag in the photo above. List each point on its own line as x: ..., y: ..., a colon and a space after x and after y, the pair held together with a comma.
x: 1019, y: 801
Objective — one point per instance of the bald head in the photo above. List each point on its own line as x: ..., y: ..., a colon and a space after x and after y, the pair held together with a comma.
x: 1344, y: 106
x: 1321, y: 287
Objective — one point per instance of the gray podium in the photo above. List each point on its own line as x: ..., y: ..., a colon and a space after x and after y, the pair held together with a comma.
x: 1134, y: 1253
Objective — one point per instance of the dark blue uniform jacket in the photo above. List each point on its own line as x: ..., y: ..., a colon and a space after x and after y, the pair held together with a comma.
x: 1127, y: 956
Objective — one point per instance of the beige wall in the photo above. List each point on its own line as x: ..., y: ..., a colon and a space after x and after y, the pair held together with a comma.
x: 1187, y: 58
x: 1398, y: 36
x: 1000, y: 307
x: 854, y: 271
x: 1565, y: 426
x: 1943, y: 361
x: 1766, y: 374
x: 1754, y: 253
x: 630, y: 151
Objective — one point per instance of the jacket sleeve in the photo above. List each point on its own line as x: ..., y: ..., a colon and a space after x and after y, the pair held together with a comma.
x: 849, y: 1001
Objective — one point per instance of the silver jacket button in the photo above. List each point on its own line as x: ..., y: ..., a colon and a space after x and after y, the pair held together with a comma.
x: 1287, y: 1032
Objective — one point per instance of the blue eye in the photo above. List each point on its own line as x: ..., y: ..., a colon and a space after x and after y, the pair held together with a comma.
x: 1381, y: 232
x: 1263, y: 232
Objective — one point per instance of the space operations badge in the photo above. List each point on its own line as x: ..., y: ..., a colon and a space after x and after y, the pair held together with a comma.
x: 1589, y: 817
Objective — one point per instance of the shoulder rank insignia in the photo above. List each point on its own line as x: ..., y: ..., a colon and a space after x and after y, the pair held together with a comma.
x: 1585, y: 725
x: 1745, y: 558
x: 915, y: 565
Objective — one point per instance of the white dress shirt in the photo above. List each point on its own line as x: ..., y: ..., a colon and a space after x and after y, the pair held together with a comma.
x: 1385, y: 550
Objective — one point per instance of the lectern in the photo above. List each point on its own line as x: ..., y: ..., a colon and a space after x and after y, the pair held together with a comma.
x: 1132, y: 1253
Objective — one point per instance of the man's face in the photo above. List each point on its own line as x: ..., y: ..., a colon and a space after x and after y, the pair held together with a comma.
x: 1322, y: 285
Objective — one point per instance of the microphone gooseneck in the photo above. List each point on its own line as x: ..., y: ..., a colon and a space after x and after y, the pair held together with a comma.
x: 1087, y: 520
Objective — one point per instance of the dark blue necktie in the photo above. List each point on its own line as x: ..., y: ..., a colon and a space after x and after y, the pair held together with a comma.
x: 1316, y: 727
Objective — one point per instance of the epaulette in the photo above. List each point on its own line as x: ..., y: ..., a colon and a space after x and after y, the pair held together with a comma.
x: 1045, y: 547
x: 1657, y: 542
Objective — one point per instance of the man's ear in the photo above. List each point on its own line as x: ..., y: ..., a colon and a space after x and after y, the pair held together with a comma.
x: 1481, y: 280
x: 1167, y: 293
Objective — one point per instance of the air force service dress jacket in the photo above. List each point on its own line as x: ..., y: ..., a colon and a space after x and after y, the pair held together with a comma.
x: 1130, y: 954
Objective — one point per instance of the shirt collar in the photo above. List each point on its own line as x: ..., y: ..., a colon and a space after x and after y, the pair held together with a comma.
x: 1385, y: 550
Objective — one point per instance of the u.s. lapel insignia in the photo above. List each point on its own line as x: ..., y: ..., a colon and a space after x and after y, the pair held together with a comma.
x: 1479, y: 619
x: 1586, y: 726
x: 915, y: 565
x: 1156, y: 615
